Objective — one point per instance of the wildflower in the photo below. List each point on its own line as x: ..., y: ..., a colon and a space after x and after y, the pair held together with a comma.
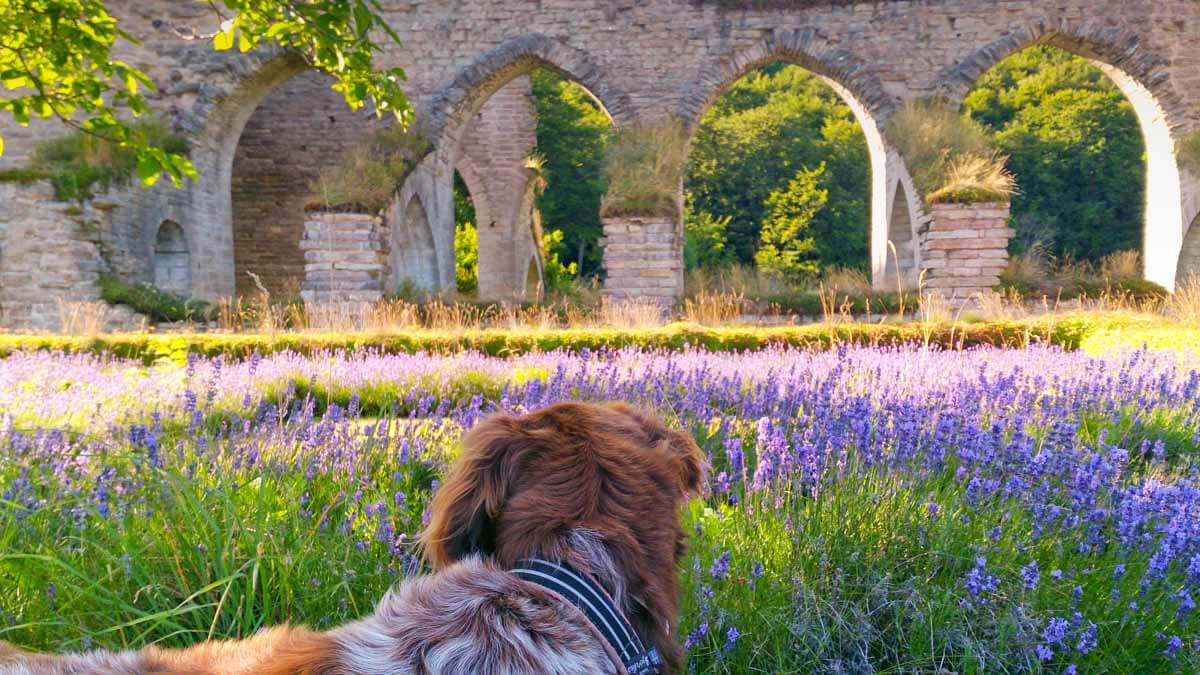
x: 695, y: 636
x: 1030, y: 577
x: 731, y: 638
x: 720, y: 567
x: 1174, y: 643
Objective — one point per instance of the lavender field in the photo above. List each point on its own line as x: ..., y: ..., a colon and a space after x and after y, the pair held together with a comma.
x: 868, y: 510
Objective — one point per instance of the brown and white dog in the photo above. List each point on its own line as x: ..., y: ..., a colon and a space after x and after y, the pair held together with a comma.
x: 596, y: 487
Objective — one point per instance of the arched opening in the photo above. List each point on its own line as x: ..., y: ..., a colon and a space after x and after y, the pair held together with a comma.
x: 172, y: 260
x: 788, y: 175
x: 468, y: 205
x: 1084, y: 103
x: 299, y: 128
x: 526, y: 119
x: 1074, y: 145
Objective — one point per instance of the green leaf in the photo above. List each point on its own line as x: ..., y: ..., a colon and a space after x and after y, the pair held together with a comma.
x: 223, y: 41
x: 1, y: 146
x: 148, y: 169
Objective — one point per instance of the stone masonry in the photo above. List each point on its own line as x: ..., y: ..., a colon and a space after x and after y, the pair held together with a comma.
x: 345, y: 258
x: 300, y: 127
x: 643, y: 259
x: 642, y: 59
x: 965, y: 248
x: 492, y: 164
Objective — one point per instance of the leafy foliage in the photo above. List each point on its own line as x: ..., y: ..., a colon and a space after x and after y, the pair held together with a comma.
x: 705, y: 243
x: 152, y: 301
x: 466, y: 257
x: 560, y: 276
x: 1075, y: 148
x: 757, y: 135
x: 572, y: 133
x: 56, y: 55
x: 787, y: 248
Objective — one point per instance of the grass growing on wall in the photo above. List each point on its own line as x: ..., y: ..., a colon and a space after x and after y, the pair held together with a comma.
x: 950, y: 157
x: 79, y: 163
x: 643, y: 169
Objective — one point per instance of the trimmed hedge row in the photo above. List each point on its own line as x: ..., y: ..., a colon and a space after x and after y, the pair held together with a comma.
x: 1066, y: 331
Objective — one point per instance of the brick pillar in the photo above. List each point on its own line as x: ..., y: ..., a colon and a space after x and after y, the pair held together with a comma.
x: 643, y: 259
x: 345, y: 258
x: 965, y: 248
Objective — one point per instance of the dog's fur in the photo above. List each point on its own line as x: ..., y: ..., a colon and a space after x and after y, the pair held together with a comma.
x: 594, y: 485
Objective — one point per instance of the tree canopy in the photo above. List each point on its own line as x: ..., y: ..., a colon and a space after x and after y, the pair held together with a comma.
x: 766, y: 128
x: 56, y: 59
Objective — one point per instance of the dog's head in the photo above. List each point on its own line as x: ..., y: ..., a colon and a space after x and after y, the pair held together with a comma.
x: 596, y: 485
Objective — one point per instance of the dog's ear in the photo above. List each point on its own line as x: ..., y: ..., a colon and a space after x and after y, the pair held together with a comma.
x: 688, y: 462
x: 465, y: 508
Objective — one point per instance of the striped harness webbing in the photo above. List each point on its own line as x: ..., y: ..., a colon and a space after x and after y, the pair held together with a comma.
x: 586, y: 595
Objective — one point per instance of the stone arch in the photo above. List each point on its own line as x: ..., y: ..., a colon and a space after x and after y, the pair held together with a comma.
x: 172, y: 259
x: 418, y: 251
x: 1144, y: 79
x: 210, y: 197
x: 300, y: 127
x: 906, y: 222
x: 446, y: 120
x: 449, y: 111
x: 855, y: 83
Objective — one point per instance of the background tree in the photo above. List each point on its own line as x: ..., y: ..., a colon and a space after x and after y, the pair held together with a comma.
x: 751, y: 143
x: 56, y: 59
x: 787, y: 247
x: 572, y: 132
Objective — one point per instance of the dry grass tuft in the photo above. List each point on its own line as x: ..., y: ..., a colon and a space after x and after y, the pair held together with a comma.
x: 370, y: 172
x: 713, y: 308
x: 971, y: 179
x: 643, y: 169
x: 629, y: 314
x: 81, y: 318
x: 1184, y: 305
x: 1121, y: 266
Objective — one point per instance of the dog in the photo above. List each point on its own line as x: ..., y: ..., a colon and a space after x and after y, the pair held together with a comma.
x: 555, y: 546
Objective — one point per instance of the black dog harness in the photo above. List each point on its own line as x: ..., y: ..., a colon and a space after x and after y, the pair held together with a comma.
x: 588, y: 597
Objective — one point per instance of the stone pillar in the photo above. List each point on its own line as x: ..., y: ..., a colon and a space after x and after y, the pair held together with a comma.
x: 965, y: 249
x: 643, y: 259
x: 345, y: 258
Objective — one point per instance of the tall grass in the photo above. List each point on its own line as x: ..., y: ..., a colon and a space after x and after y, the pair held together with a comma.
x: 950, y: 157
x: 643, y: 169
x: 79, y: 162
x: 369, y: 173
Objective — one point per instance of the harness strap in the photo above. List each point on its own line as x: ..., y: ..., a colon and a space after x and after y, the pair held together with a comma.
x: 590, y: 598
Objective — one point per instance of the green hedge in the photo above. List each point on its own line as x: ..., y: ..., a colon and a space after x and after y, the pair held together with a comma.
x: 1068, y: 331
